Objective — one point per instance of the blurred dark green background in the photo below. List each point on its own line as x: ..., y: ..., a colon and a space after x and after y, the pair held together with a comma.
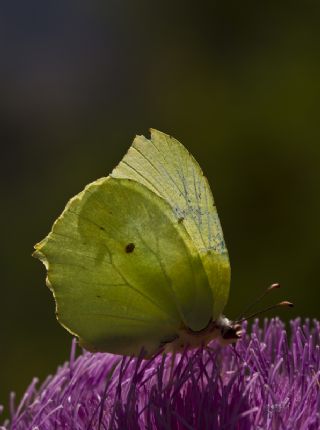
x: 237, y: 82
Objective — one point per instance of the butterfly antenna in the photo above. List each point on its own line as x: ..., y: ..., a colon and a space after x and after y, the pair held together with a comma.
x: 262, y: 296
x: 277, y: 305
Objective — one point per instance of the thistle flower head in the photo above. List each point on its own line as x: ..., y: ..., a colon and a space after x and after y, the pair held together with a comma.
x: 265, y: 382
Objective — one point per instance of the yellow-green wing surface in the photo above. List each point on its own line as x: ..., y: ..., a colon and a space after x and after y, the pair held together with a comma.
x: 164, y: 165
x: 124, y: 272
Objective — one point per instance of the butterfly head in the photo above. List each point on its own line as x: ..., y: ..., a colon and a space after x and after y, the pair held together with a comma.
x: 229, y: 331
x: 222, y: 329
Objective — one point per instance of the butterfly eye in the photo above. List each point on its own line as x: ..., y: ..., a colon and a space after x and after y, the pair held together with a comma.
x: 232, y: 332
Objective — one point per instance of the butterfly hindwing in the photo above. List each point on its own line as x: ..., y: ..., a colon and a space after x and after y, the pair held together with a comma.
x: 124, y: 272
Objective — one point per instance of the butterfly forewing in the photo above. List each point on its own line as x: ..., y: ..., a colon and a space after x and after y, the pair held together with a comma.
x: 164, y: 165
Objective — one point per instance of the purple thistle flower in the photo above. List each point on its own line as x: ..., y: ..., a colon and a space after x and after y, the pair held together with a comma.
x: 265, y: 382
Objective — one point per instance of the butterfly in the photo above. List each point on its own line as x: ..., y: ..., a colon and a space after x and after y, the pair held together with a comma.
x: 137, y: 261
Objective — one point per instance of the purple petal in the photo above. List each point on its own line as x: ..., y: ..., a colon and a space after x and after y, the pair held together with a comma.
x: 263, y: 383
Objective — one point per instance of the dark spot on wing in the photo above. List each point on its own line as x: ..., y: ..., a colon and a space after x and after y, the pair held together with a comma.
x: 180, y: 220
x: 99, y: 297
x: 102, y: 228
x: 130, y: 248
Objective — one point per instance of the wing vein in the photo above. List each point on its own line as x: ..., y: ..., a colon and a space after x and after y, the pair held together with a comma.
x: 158, y: 258
x: 210, y: 241
x: 163, y: 167
x: 116, y: 317
x: 146, y: 297
x: 198, y: 209
x: 141, y: 175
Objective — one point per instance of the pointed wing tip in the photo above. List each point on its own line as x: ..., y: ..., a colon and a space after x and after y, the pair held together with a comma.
x: 154, y: 132
x: 154, y: 135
